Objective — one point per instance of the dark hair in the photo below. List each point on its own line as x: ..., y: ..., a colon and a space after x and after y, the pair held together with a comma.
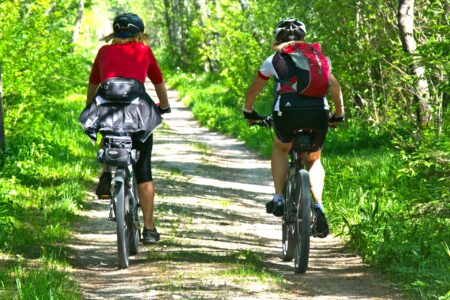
x: 127, y: 25
x: 289, y: 30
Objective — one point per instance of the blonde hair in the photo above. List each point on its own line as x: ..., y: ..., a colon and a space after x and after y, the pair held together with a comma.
x: 277, y: 46
x: 113, y: 39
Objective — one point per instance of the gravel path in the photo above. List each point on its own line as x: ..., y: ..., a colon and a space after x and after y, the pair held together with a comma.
x: 216, y: 240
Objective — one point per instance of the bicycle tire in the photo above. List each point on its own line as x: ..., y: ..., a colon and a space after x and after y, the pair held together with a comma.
x: 289, y: 239
x: 133, y: 220
x: 303, y: 224
x: 121, y: 201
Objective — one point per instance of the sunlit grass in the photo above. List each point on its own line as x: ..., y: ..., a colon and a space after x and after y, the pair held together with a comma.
x: 44, y: 175
x: 220, y: 202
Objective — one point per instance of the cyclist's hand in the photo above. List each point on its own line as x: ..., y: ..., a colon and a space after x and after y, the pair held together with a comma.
x: 252, y: 117
x: 165, y: 110
x: 334, y: 120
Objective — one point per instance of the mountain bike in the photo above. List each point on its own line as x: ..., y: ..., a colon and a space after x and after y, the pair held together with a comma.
x: 298, y: 218
x: 124, y: 206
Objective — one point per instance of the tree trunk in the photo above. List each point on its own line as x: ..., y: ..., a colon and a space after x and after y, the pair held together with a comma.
x: 170, y: 25
x: 203, y: 16
x: 245, y: 6
x: 218, y: 9
x: 405, y: 20
x: 76, y: 31
x: 2, y: 120
x: 174, y: 13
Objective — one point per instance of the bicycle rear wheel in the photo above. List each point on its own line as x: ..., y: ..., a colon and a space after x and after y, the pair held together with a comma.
x: 289, y: 238
x: 133, y: 220
x: 303, y: 224
x: 121, y: 208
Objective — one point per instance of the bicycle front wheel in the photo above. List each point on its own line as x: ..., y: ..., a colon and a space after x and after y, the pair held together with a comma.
x: 133, y: 220
x: 121, y: 200
x: 303, y: 224
x: 289, y: 238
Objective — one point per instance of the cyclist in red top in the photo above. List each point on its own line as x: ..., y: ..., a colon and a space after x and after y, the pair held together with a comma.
x: 303, y: 112
x: 129, y: 56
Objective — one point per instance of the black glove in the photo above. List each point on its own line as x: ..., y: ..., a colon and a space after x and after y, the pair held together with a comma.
x: 164, y: 110
x: 251, y: 115
x: 335, y: 119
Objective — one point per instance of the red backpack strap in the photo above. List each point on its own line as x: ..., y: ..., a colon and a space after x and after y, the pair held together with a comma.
x: 316, y: 46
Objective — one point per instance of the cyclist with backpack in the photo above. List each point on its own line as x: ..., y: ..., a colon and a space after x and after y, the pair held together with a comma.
x: 303, y: 78
x: 120, y: 70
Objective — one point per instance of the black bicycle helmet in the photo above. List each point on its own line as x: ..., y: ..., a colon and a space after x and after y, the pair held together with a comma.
x: 289, y: 30
x: 127, y: 25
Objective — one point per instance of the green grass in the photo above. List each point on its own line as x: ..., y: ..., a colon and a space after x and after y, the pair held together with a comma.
x: 202, y: 147
x: 242, y: 265
x: 41, y: 279
x: 387, y: 196
x: 47, y: 166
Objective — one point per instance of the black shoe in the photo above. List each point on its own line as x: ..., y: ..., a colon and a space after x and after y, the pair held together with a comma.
x: 103, y: 190
x: 150, y: 236
x: 320, y: 228
x: 269, y: 207
x: 275, y: 206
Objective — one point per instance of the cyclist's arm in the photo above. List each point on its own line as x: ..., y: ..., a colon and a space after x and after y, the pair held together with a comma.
x: 92, y: 89
x: 253, y: 91
x: 161, y: 92
x: 336, y: 96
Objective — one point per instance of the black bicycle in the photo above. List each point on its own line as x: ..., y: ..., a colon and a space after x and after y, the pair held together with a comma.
x: 298, y: 218
x: 124, y: 206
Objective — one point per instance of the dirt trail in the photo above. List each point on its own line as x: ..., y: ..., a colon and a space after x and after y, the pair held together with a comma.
x: 217, y: 242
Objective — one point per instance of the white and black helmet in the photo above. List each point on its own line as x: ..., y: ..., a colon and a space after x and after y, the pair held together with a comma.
x: 127, y: 25
x: 289, y: 30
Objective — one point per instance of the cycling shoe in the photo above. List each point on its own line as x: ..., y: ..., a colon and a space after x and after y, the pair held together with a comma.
x: 320, y: 228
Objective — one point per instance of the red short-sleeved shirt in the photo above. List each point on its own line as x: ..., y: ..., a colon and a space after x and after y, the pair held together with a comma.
x: 131, y: 60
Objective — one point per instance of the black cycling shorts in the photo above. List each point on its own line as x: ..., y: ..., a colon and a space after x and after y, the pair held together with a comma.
x: 143, y: 168
x: 314, y: 117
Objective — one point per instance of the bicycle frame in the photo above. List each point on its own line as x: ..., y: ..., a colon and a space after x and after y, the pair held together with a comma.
x: 119, y: 155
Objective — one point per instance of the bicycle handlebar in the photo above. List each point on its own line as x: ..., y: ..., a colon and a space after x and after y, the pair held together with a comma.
x: 267, y: 121
x: 263, y: 121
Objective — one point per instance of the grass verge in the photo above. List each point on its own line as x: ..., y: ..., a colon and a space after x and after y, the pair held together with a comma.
x: 44, y: 171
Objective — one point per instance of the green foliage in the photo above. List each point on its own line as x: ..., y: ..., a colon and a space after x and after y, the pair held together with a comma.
x: 34, y: 44
x: 47, y: 163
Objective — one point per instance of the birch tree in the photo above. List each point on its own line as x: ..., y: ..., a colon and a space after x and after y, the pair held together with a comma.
x: 76, y: 31
x: 406, y: 30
